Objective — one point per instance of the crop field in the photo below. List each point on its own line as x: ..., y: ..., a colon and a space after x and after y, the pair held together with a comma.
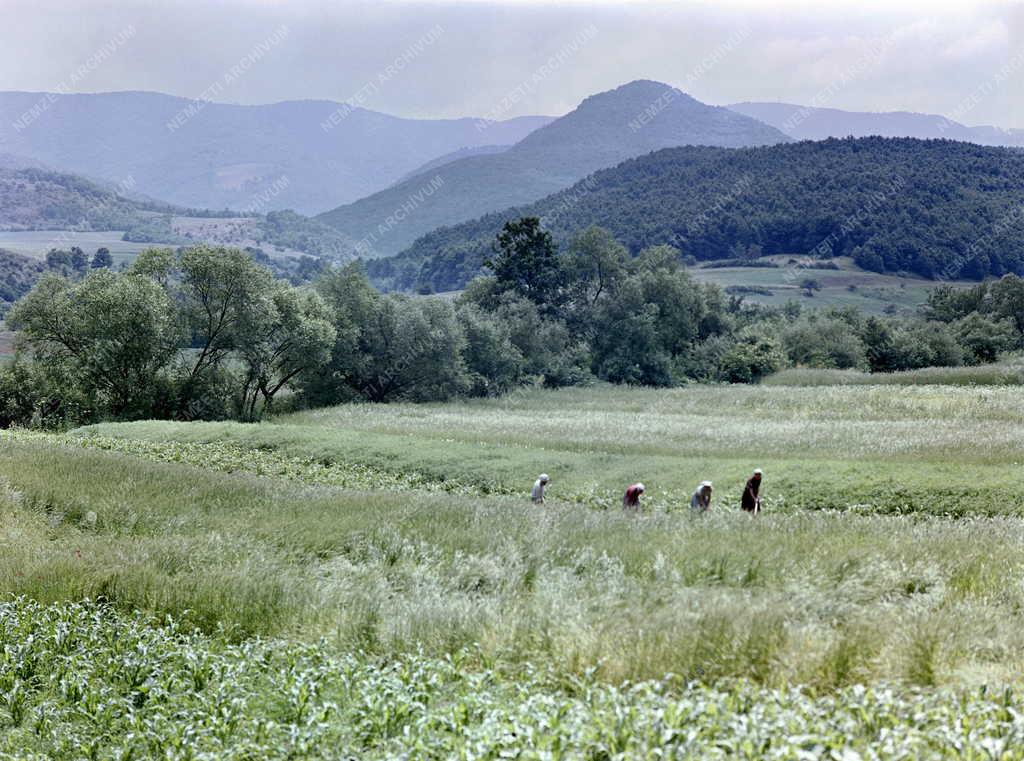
x: 372, y: 581
x: 37, y: 243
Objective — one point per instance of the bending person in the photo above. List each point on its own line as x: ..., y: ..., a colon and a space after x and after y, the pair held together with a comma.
x: 751, y: 500
x: 537, y: 492
x: 631, y: 499
x: 701, y: 500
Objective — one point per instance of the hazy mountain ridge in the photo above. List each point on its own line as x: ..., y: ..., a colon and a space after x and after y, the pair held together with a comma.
x: 808, y: 123
x: 217, y: 155
x: 461, y: 153
x: 934, y: 208
x: 605, y: 129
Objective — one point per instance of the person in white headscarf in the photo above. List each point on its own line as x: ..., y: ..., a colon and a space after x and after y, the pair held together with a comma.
x: 751, y: 500
x: 700, y: 502
x: 537, y: 493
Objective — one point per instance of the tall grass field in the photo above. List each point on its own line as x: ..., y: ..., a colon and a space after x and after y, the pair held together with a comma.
x: 373, y: 581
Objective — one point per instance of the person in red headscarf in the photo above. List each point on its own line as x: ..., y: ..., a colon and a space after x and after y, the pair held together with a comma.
x: 631, y: 499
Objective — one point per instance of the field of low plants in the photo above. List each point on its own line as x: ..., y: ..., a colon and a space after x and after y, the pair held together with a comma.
x: 372, y: 581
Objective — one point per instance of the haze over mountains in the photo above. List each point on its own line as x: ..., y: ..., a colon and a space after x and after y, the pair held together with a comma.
x: 808, y: 123
x: 313, y: 155
x: 433, y: 191
x: 605, y: 129
x: 934, y: 208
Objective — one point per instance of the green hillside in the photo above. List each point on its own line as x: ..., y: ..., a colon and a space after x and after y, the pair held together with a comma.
x: 34, y: 199
x: 933, y: 208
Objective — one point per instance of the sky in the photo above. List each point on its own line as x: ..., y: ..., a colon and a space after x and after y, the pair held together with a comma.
x: 509, y: 58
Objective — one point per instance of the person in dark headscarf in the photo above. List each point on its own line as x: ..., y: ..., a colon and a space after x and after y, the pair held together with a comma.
x: 751, y: 500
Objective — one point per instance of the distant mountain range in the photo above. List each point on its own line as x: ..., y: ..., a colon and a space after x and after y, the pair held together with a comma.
x: 939, y: 209
x: 605, y: 129
x: 806, y: 123
x: 304, y: 155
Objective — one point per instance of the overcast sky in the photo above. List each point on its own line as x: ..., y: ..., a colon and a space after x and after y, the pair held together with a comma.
x: 478, y: 57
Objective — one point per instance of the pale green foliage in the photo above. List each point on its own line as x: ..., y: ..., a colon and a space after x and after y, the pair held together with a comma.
x: 111, y: 334
x: 387, y: 347
x: 751, y: 358
x: 818, y: 341
x: 494, y: 365
x: 81, y: 682
x: 289, y: 332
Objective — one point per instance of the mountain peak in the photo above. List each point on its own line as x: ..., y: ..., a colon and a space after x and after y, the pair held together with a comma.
x: 604, y: 130
x: 643, y: 116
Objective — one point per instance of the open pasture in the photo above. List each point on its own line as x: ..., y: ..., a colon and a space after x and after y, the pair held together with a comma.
x: 847, y: 286
x: 890, y: 555
x: 36, y: 243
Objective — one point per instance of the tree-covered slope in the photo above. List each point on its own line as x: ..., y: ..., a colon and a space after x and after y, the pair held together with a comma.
x: 932, y: 207
x: 602, y: 131
x: 40, y: 199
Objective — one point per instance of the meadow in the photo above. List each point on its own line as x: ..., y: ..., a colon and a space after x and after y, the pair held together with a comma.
x: 847, y: 286
x: 373, y: 581
x: 36, y: 243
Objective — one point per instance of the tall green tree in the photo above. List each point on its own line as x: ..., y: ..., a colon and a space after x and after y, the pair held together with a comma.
x: 526, y: 262
x: 221, y: 291
x: 595, y: 263
x: 290, y: 335
x: 113, y: 335
x: 102, y: 259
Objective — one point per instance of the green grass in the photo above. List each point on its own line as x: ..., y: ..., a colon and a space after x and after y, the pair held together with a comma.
x: 402, y: 537
x: 1006, y: 373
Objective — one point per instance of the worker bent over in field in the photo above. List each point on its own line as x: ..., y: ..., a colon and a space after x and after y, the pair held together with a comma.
x: 631, y: 499
x: 751, y: 501
x: 700, y: 502
x: 537, y: 493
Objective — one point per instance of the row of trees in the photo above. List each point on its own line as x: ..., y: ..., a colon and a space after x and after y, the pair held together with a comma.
x: 209, y: 333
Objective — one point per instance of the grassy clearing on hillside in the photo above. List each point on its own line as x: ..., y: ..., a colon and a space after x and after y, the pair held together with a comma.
x: 37, y: 243
x: 81, y: 683
x: 869, y: 292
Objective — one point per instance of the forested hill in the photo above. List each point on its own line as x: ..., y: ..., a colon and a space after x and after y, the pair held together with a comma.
x: 935, y: 208
x: 40, y: 199
x: 605, y: 129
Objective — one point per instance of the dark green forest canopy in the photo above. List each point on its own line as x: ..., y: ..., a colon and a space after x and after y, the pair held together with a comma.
x: 936, y: 208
